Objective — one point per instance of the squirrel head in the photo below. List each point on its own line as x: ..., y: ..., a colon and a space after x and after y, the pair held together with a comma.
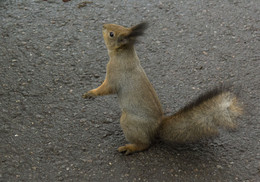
x: 118, y: 37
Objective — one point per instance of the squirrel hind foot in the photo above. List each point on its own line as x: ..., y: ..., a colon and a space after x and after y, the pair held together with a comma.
x: 131, y: 148
x: 88, y: 95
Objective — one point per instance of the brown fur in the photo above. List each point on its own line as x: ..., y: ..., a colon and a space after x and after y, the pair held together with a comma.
x: 142, y: 118
x: 202, y: 119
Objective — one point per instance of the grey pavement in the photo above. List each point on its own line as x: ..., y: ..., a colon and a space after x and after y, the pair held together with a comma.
x: 51, y: 52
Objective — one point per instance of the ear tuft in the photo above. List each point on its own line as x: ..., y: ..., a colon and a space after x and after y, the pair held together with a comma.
x: 138, y: 30
x: 132, y: 33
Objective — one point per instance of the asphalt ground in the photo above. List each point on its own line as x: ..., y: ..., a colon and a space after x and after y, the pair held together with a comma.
x: 51, y: 52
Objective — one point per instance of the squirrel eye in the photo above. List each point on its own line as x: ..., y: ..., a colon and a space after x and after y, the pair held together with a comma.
x: 111, y: 34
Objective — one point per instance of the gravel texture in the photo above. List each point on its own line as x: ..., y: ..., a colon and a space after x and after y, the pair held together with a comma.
x: 51, y: 52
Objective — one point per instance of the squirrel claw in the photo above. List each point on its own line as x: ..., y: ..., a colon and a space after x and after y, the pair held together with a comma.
x: 131, y: 148
x: 125, y: 149
x: 88, y: 95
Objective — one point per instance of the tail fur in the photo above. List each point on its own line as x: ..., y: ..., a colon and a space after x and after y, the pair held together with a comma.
x: 202, y: 118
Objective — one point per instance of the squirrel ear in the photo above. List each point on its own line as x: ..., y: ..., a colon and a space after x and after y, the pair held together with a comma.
x: 130, y: 36
x: 138, y: 30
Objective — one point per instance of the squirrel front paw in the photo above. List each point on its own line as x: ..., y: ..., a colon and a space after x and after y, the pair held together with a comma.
x: 88, y: 95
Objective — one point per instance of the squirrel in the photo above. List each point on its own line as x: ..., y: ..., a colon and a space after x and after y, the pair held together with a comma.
x: 142, y: 118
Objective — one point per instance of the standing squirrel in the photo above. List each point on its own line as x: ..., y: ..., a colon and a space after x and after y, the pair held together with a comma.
x: 142, y: 118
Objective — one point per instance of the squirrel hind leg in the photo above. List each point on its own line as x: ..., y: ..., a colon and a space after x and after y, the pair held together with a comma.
x: 131, y: 148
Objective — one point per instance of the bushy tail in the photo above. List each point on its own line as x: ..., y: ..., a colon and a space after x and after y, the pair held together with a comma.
x: 202, y: 118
